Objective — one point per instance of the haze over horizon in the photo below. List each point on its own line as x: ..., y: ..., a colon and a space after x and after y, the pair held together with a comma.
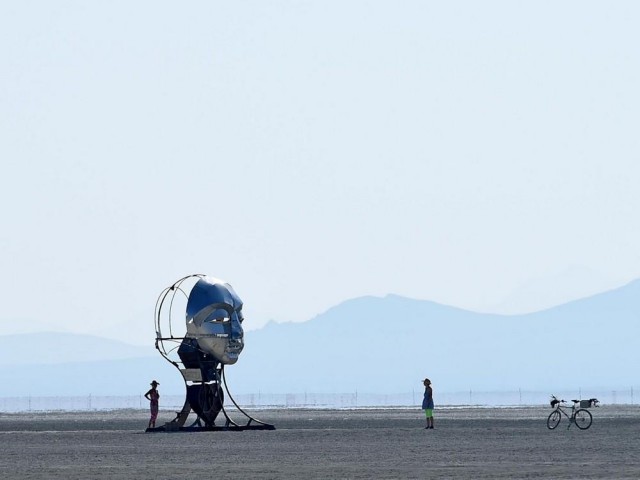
x: 363, y: 344
x: 482, y: 155
x: 145, y: 336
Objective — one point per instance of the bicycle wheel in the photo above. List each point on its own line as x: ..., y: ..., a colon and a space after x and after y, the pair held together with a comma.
x: 583, y: 419
x: 553, y: 420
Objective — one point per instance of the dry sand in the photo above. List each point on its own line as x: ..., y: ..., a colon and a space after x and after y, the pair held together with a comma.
x: 389, y: 443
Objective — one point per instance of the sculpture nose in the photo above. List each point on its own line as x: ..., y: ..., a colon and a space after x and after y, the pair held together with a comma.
x: 236, y: 328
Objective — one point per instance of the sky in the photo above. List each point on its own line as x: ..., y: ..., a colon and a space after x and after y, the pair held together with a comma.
x: 479, y: 154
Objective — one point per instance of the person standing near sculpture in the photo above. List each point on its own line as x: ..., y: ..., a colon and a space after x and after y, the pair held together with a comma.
x: 154, y: 402
x: 427, y: 403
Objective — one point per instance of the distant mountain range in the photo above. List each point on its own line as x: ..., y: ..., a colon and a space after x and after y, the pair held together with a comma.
x: 54, y: 363
x: 389, y: 344
x: 368, y: 344
x: 56, y: 347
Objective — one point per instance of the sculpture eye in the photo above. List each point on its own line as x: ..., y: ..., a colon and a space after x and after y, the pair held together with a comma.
x: 220, y: 320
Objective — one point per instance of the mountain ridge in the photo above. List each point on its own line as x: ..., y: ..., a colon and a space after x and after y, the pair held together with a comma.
x: 462, y: 348
x: 378, y: 344
x: 63, y: 347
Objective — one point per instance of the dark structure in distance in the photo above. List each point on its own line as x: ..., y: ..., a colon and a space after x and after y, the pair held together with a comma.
x: 211, y: 311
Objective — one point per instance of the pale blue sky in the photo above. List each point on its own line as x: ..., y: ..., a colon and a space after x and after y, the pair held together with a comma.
x: 313, y: 151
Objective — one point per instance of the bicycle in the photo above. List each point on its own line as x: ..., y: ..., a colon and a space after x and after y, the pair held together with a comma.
x: 579, y: 413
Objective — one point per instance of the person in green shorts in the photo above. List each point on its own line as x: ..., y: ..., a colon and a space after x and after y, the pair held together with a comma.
x: 427, y: 402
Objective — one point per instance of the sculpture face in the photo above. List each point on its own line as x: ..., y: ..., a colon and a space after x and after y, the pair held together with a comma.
x: 214, y: 319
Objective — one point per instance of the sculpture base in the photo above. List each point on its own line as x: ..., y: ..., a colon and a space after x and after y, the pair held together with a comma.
x: 231, y: 428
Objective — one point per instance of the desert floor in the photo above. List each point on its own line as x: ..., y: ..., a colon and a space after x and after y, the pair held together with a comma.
x: 307, y: 444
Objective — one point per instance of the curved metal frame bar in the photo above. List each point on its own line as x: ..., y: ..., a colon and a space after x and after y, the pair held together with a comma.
x: 224, y: 411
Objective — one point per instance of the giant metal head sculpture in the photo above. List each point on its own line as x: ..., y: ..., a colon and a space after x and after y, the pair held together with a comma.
x: 214, y: 319
x: 199, y: 330
x: 202, y: 316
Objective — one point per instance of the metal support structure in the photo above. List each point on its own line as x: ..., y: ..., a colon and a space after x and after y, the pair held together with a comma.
x: 202, y: 364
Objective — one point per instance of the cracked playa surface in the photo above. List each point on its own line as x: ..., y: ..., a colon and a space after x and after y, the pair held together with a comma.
x: 363, y: 443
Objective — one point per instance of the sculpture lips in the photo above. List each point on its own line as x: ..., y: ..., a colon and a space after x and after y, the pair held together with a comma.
x: 233, y: 349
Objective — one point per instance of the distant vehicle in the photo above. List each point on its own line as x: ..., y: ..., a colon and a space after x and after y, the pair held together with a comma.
x: 579, y: 413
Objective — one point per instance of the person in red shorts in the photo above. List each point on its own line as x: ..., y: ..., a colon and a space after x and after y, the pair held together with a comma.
x: 154, y: 398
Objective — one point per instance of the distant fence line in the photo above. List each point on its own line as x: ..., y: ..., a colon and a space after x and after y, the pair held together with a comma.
x: 626, y: 396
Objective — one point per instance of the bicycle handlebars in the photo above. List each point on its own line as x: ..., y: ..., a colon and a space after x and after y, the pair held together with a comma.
x: 555, y: 401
